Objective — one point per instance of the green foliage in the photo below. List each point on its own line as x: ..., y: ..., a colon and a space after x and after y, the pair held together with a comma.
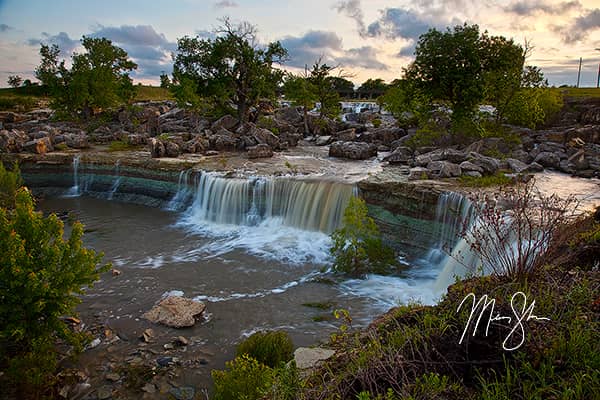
x: 165, y: 82
x: 371, y: 87
x: 323, y: 83
x: 408, y: 104
x: 376, y: 122
x: 267, y: 123
x: 41, y: 277
x: 287, y: 383
x: 98, y: 79
x: 14, y: 81
x: 10, y: 182
x: 498, y: 179
x: 269, y: 348
x: 357, y: 246
x: 17, y: 103
x: 426, y: 135
x: 120, y: 145
x: 244, y: 378
x: 231, y: 68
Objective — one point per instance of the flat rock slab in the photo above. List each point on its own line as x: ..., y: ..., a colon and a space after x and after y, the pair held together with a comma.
x: 309, y: 357
x: 175, y: 312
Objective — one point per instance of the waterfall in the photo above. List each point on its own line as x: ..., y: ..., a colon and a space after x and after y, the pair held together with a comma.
x: 116, y: 183
x: 184, y: 193
x: 312, y: 206
x: 74, y: 191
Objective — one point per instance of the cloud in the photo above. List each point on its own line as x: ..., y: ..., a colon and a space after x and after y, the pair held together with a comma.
x: 327, y: 46
x: 528, y: 8
x: 148, y: 48
x: 226, y: 4
x: 6, y: 28
x: 398, y: 23
x: 306, y: 49
x: 62, y: 40
x: 362, y: 57
x: 352, y: 9
x: 581, y: 26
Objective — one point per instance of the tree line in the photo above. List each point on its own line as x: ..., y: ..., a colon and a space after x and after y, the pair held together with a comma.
x: 459, y: 69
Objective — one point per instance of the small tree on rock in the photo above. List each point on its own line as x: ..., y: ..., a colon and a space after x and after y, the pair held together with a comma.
x: 14, y: 81
x: 357, y: 246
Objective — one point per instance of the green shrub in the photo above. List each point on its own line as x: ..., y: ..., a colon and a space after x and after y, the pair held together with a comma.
x: 357, y: 246
x: 498, y: 179
x: 17, y: 103
x: 41, y: 277
x: 376, y: 122
x: 244, y: 378
x: 10, y: 182
x: 269, y: 348
x: 120, y: 145
x: 268, y: 123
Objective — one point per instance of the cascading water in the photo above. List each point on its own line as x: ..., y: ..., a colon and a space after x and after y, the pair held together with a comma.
x: 184, y: 194
x: 74, y: 190
x: 116, y: 183
x: 281, y: 218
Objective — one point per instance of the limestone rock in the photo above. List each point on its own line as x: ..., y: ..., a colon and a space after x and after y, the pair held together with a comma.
x: 516, y: 165
x: 157, y: 148
x: 176, y: 312
x: 353, y: 150
x: 260, y: 151
x: 38, y: 146
x: 309, y: 357
x: 418, y: 173
x: 444, y: 169
x: 223, y: 140
x: 401, y: 155
x: 225, y: 122
x: 265, y: 136
x: 347, y: 135
x: 488, y: 164
x: 323, y: 140
x: 547, y: 159
x: 467, y: 166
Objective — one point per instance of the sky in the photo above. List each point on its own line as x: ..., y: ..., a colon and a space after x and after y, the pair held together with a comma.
x: 364, y: 38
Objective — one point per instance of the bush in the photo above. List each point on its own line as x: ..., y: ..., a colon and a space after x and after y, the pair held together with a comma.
x: 357, y: 246
x: 244, y: 378
x: 10, y: 182
x: 269, y: 348
x: 40, y: 278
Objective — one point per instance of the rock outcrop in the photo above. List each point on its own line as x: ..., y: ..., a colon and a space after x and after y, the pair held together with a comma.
x: 175, y: 312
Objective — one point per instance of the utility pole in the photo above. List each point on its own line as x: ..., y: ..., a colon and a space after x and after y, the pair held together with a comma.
x: 579, y: 72
x: 598, y: 80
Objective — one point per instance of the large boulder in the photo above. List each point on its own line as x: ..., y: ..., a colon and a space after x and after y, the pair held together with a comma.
x: 347, y: 135
x: 488, y: 164
x: 323, y: 140
x: 260, y: 151
x: 467, y: 166
x: 289, y: 115
x: 401, y: 155
x: 418, y: 173
x: 310, y: 357
x: 225, y: 122
x: 548, y: 159
x: 265, y: 136
x: 172, y: 149
x: 12, y: 141
x: 516, y: 165
x: 175, y: 312
x: 223, y: 140
x: 444, y: 169
x: 156, y: 148
x: 75, y: 141
x: 196, y: 145
x: 353, y: 150
x: 38, y: 146
x: 290, y: 137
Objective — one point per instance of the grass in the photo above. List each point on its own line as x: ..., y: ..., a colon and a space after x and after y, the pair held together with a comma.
x: 321, y: 306
x: 153, y: 93
x: 498, y: 179
x: 580, y: 92
x: 121, y: 145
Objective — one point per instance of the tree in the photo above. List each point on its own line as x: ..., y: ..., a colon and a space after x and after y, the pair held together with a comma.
x: 343, y: 86
x: 302, y: 92
x: 372, y: 87
x: 328, y: 98
x: 231, y: 68
x: 357, y: 246
x: 406, y: 102
x: 41, y: 277
x: 165, y: 82
x: 98, y: 78
x: 14, y: 81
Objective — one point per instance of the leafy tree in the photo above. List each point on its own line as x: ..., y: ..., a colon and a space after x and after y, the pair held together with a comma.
x: 14, y: 81
x: 231, y: 68
x: 357, y: 246
x: 406, y: 102
x: 302, y: 92
x: 343, y: 86
x: 329, y: 99
x: 98, y: 78
x: 373, y: 87
x: 165, y: 82
x: 448, y: 67
x: 41, y: 276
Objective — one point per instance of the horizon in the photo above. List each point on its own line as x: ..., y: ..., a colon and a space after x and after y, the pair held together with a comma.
x: 368, y: 40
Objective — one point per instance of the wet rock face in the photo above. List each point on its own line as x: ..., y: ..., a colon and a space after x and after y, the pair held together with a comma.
x: 175, y: 312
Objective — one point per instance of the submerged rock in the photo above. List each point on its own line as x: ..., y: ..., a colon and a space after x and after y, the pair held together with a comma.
x: 175, y: 312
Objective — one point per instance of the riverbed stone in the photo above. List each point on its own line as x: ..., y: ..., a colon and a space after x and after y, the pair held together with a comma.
x: 175, y: 312
x: 400, y: 155
x: 323, y: 140
x: 183, y: 393
x: 38, y: 146
x: 418, y: 173
x: 548, y: 160
x: 444, y: 169
x: 309, y: 357
x: 516, y: 165
x: 225, y: 122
